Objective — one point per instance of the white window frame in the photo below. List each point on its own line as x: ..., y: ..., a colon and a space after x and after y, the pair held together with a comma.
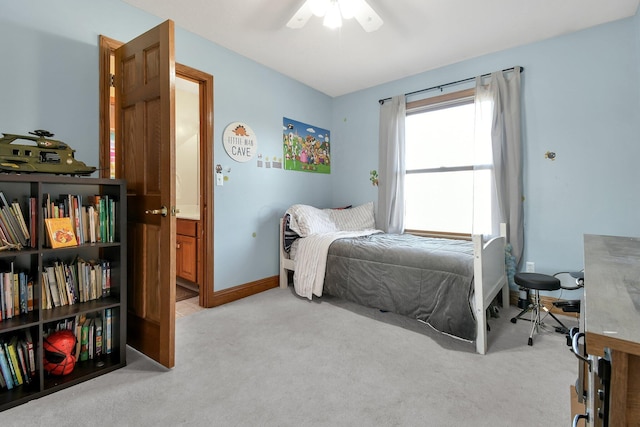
x: 453, y: 99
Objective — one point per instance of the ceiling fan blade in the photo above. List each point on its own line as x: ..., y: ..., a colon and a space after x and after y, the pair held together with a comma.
x: 366, y: 16
x: 300, y: 18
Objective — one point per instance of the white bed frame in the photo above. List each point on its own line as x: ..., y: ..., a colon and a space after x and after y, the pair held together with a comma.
x: 489, y: 278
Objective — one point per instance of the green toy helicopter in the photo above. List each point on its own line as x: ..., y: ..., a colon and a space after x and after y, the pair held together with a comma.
x: 45, y: 156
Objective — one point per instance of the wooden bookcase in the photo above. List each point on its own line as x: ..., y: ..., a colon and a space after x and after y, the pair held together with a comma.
x: 33, y: 260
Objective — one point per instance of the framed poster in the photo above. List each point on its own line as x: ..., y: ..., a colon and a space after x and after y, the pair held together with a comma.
x: 306, y: 148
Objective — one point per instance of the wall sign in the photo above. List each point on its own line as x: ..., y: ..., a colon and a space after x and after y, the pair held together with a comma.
x: 240, y: 142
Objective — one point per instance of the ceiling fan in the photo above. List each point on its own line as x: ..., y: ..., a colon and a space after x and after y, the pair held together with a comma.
x: 334, y: 11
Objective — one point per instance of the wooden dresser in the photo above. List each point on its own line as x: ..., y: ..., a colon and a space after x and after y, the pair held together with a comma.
x: 612, y: 319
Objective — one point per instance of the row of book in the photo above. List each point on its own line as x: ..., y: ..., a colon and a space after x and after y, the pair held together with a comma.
x: 16, y: 231
x: 92, y: 219
x: 62, y: 284
x: 78, y: 281
x: 16, y: 293
x: 94, y: 334
x: 17, y: 361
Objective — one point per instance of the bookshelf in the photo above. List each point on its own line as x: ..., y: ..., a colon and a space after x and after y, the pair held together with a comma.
x: 33, y: 259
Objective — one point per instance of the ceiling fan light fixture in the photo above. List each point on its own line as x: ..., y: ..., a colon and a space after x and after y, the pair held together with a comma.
x: 334, y: 11
x: 333, y: 19
x: 319, y: 7
x: 346, y: 8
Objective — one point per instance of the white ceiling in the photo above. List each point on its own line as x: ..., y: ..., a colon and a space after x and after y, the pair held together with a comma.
x: 417, y: 35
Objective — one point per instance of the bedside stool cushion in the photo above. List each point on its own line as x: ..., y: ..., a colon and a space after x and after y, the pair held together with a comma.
x: 541, y: 282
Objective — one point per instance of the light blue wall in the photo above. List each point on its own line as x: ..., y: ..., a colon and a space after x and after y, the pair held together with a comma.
x: 581, y: 100
x: 49, y: 80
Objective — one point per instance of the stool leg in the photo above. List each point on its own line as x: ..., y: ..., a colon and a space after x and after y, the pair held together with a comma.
x: 535, y: 316
x: 525, y: 310
x: 522, y: 313
x: 562, y: 328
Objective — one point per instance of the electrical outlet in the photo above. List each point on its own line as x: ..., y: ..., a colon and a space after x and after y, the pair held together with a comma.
x: 530, y: 267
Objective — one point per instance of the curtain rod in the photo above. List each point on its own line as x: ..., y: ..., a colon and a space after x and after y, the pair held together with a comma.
x: 442, y: 86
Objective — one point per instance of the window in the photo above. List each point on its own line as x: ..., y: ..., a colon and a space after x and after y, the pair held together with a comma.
x: 439, y: 181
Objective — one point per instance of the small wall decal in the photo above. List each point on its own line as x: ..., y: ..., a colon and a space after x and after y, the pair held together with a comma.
x: 373, y: 177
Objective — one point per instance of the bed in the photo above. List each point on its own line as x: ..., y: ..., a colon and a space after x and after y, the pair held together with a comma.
x: 446, y: 283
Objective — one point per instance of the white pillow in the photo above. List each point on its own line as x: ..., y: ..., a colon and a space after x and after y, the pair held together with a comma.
x: 354, y: 219
x: 306, y: 220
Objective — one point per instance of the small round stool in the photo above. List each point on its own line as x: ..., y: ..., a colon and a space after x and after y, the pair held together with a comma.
x: 536, y: 282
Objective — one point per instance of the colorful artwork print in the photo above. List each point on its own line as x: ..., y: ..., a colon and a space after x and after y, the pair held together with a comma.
x: 306, y: 148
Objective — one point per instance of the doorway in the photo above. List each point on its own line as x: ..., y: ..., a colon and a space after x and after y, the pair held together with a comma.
x: 194, y: 250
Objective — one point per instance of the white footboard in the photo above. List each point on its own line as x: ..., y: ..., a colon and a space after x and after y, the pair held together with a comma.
x: 286, y: 264
x: 489, y: 279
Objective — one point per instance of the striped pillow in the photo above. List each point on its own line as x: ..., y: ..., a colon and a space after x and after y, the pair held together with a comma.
x: 306, y: 220
x: 354, y: 219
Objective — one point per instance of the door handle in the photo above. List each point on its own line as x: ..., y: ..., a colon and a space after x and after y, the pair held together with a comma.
x: 162, y: 211
x: 576, y: 350
x: 578, y: 418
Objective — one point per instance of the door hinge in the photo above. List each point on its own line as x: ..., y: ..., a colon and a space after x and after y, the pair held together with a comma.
x: 112, y: 80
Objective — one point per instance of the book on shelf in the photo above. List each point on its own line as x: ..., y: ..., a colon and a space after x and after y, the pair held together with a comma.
x: 16, y: 294
x: 80, y: 319
x: 99, y: 340
x: 64, y: 284
x: 84, y: 341
x: 92, y: 338
x: 30, y: 295
x: 8, y: 232
x: 17, y: 212
x: 48, y: 277
x: 30, y: 351
x: 108, y: 331
x: 5, y: 369
x: 11, y: 222
x: 7, y: 279
x: 33, y: 221
x: 24, y: 296
x: 92, y: 215
x: 71, y: 281
x: 106, y: 278
x: 3, y: 384
x: 96, y: 202
x: 61, y: 232
x: 47, y: 299
x: 22, y: 361
x: 10, y: 349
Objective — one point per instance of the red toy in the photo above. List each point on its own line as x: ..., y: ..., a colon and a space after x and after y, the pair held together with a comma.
x: 58, y: 348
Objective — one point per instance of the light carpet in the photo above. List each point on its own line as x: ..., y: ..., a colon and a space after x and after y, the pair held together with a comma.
x: 275, y: 359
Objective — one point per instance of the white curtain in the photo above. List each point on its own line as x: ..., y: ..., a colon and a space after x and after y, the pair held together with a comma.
x: 391, y: 166
x: 498, y: 188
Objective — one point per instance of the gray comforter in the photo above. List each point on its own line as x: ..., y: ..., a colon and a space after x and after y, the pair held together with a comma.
x: 424, y: 278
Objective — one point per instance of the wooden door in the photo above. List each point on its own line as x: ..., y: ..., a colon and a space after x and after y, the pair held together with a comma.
x: 145, y: 142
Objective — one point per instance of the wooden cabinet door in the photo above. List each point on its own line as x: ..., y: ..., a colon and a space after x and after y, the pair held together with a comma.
x: 186, y: 258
